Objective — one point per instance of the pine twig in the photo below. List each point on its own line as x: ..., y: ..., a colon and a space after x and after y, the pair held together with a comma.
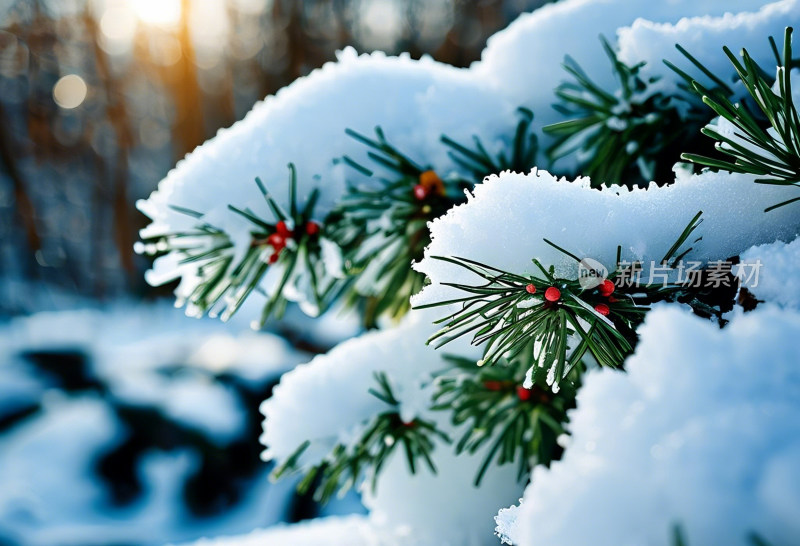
x: 382, y: 227
x: 767, y: 149
x: 520, y: 424
x: 557, y: 322
x: 290, y: 241
x: 630, y: 136
x: 346, y: 465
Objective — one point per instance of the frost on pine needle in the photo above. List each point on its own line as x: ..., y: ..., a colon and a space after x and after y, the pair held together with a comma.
x: 646, y: 446
x: 282, y: 259
x: 630, y: 134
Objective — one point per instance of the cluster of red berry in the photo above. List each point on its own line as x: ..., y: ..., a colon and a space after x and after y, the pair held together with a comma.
x: 282, y: 235
x: 606, y: 288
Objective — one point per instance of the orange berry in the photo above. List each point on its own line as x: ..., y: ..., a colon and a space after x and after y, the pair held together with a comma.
x: 431, y: 182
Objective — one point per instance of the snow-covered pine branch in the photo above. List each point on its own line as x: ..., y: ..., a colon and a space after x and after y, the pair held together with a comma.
x: 327, y: 402
x: 414, y: 102
x: 504, y: 223
x: 524, y: 60
x: 506, y: 219
x: 549, y: 223
x: 652, y: 42
x: 777, y: 281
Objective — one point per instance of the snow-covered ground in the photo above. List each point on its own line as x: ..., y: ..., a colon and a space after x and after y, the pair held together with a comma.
x: 89, y: 395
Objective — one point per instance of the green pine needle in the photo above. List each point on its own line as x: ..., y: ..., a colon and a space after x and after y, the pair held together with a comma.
x: 480, y: 163
x: 346, y: 465
x: 765, y: 143
x: 224, y: 282
x: 509, y: 315
x: 521, y: 425
x: 630, y: 136
x: 382, y: 225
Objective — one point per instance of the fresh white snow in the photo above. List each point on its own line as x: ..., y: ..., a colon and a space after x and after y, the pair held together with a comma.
x: 700, y: 431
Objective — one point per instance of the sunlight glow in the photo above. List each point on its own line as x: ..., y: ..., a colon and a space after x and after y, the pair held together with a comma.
x: 163, y: 13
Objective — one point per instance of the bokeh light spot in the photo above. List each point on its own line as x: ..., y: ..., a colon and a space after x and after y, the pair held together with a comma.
x: 70, y: 91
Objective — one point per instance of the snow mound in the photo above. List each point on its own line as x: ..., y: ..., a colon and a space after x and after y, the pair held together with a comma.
x: 524, y: 60
x: 333, y: 531
x: 703, y: 431
x: 770, y: 273
x: 130, y: 345
x: 442, y: 509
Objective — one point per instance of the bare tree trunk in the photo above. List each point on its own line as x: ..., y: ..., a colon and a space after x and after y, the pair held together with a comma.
x: 189, y: 108
x: 24, y: 204
x: 118, y: 116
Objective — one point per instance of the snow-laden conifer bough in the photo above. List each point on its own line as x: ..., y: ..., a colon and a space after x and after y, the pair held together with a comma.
x: 473, y: 176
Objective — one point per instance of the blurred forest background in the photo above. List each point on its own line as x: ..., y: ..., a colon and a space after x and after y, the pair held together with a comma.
x: 100, y: 98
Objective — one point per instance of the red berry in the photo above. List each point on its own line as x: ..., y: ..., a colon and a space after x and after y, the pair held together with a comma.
x: 312, y: 228
x: 493, y: 385
x: 530, y: 289
x: 277, y: 241
x: 523, y: 393
x: 606, y: 288
x: 410, y: 424
x: 612, y: 299
x: 274, y: 257
x: 552, y: 294
x: 420, y: 192
x: 603, y: 309
x: 282, y: 229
